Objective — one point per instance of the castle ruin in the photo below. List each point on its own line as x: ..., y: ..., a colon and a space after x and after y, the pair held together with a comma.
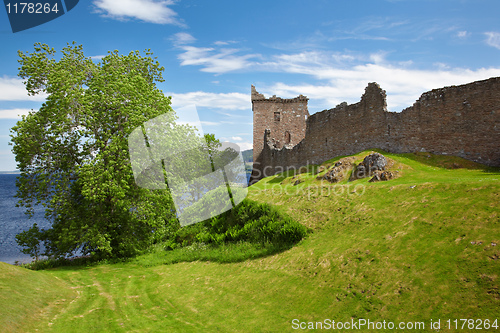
x: 457, y: 120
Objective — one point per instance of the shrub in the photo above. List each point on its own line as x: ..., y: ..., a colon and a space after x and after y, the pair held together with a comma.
x: 248, y: 222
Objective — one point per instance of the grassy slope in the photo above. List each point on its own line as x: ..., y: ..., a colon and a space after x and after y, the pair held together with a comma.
x: 397, y: 250
x: 403, y: 249
x: 27, y: 297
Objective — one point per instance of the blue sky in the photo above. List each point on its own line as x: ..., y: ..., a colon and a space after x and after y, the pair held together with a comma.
x: 213, y: 51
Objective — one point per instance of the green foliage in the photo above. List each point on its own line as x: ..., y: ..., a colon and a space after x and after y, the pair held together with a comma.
x: 30, y: 240
x: 250, y: 222
x: 73, y: 153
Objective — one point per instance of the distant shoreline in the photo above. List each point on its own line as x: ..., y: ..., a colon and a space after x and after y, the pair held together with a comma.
x: 10, y: 172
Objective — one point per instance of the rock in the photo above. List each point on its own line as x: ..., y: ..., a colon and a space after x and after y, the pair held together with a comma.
x: 319, y: 170
x: 376, y: 178
x: 381, y: 176
x: 359, y: 172
x: 371, y: 163
x: 386, y: 175
x: 375, y: 162
x: 339, y: 170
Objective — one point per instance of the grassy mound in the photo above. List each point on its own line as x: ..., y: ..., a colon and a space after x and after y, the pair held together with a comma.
x: 410, y: 168
x: 249, y: 222
x: 250, y: 230
x: 424, y: 245
x: 27, y: 296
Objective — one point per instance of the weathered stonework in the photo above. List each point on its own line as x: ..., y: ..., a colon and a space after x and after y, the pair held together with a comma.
x: 457, y: 120
x: 283, y: 119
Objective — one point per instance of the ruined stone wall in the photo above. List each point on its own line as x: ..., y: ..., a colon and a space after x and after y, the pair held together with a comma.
x: 285, y: 119
x: 458, y: 120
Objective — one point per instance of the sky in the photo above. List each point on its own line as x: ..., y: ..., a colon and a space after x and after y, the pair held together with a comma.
x: 213, y: 51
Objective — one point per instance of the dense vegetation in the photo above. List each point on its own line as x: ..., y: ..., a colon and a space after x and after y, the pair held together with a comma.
x: 76, y: 154
x: 248, y: 222
x: 73, y: 152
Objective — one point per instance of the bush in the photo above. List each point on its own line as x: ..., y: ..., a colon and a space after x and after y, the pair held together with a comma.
x: 248, y: 222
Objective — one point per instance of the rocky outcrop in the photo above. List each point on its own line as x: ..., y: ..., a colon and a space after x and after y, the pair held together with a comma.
x: 382, y: 176
x: 371, y: 163
x: 339, y: 170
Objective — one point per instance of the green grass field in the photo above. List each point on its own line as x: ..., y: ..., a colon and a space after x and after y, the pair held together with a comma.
x: 424, y: 246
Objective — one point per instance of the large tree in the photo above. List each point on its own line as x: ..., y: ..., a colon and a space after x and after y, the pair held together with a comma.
x: 73, y: 152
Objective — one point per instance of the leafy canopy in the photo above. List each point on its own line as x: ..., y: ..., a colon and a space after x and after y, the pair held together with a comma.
x: 73, y: 154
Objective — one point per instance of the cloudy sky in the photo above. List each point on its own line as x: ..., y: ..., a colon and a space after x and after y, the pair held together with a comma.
x: 212, y: 51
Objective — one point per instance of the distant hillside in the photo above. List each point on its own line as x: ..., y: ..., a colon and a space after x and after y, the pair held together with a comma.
x: 247, y: 155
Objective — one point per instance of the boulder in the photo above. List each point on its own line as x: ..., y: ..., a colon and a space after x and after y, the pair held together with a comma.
x: 371, y: 163
x: 339, y: 170
x: 381, y: 176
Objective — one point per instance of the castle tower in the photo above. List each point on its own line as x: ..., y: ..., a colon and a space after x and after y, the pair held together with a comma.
x: 284, y: 118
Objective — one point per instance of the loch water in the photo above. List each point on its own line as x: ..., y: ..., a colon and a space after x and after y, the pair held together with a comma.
x: 13, y: 220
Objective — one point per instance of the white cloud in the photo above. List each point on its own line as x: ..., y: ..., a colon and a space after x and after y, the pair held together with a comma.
x: 346, y: 82
x: 213, y: 60
x: 493, y: 39
x: 462, y: 34
x: 97, y: 57
x: 339, y: 76
x: 245, y: 145
x: 228, y: 101
x: 145, y: 10
x: 182, y: 38
x: 13, y: 89
x: 13, y: 113
x: 222, y: 43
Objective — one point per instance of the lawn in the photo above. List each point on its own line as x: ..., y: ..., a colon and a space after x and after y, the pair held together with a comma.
x: 424, y: 246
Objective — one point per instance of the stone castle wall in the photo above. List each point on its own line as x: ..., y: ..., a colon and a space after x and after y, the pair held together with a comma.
x: 458, y: 120
x: 285, y: 118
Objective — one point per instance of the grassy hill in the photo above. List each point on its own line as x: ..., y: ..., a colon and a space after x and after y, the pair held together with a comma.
x: 247, y: 155
x: 423, y: 246
x: 248, y: 160
x: 26, y: 297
